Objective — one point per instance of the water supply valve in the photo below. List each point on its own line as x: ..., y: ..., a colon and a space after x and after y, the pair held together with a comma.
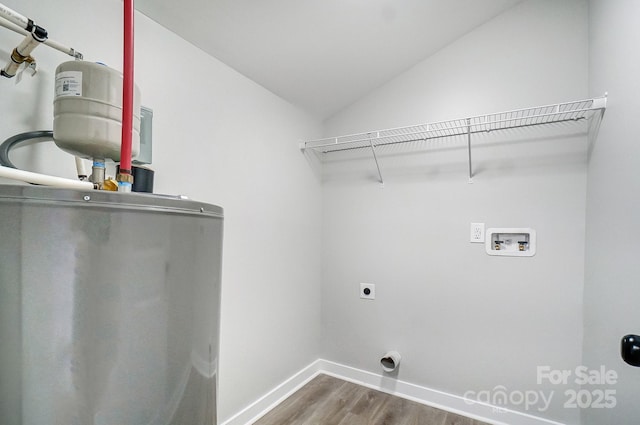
x: 511, y: 241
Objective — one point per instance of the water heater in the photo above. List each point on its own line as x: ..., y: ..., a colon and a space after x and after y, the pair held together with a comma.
x: 109, y: 308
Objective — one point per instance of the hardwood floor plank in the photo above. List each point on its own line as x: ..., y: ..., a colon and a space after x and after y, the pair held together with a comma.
x: 424, y: 415
x: 330, y: 401
x: 453, y: 419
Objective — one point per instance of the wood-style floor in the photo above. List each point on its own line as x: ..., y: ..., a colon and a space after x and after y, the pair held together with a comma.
x: 331, y: 401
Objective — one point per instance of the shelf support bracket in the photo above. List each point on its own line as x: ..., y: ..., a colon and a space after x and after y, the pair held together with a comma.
x: 469, y: 149
x: 375, y: 157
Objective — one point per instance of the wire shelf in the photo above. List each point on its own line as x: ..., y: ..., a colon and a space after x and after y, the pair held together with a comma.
x: 528, y: 117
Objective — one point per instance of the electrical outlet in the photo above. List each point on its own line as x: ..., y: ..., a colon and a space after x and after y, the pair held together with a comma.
x: 477, y: 232
x: 368, y: 291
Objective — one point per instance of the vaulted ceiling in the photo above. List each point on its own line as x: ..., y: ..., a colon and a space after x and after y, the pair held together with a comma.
x: 321, y: 55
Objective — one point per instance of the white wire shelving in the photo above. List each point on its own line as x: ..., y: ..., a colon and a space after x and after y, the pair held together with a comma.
x: 528, y: 117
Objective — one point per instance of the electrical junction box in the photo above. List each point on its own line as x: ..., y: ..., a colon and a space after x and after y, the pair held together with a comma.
x: 146, y: 126
x: 511, y: 242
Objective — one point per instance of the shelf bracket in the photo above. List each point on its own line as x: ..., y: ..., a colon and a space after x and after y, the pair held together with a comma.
x: 375, y: 157
x: 469, y: 149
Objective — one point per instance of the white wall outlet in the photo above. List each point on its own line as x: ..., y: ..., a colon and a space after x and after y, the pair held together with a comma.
x: 368, y: 291
x: 477, y: 232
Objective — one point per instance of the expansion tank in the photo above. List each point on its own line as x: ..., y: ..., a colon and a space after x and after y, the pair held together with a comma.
x: 109, y: 308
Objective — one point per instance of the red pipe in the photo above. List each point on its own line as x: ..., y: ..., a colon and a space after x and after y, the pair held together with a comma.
x: 127, y: 93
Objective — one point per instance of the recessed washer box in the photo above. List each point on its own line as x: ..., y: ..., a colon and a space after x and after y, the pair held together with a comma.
x: 511, y: 241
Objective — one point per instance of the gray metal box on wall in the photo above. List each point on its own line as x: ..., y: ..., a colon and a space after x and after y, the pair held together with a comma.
x: 146, y: 137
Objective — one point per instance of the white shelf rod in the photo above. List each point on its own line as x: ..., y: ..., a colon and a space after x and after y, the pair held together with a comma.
x: 525, y: 117
x: 456, y: 127
x: 597, y: 103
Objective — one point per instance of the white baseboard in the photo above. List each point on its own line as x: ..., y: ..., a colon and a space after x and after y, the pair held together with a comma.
x: 267, y: 402
x: 430, y: 397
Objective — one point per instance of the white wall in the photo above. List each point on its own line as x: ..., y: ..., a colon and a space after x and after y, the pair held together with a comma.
x: 612, y: 241
x: 218, y: 138
x: 464, y: 320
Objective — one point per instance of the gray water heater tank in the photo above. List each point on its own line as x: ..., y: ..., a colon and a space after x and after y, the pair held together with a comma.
x: 109, y: 308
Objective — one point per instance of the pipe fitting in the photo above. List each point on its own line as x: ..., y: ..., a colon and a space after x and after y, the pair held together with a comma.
x: 390, y: 361
x: 125, y: 181
x: 98, y: 172
x: 124, y: 178
x: 22, y: 53
x: 39, y: 34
